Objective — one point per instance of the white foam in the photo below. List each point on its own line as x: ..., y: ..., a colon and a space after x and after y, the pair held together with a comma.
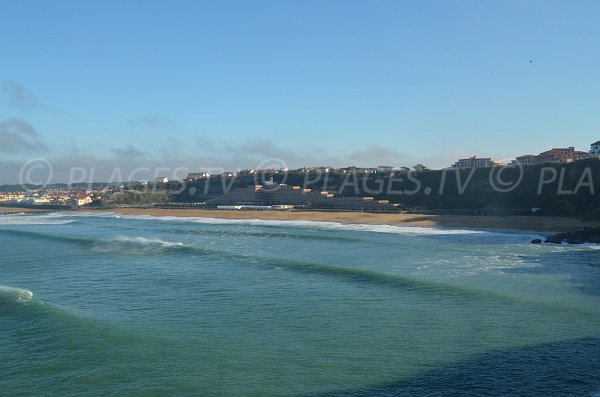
x: 26, y: 219
x: 359, y: 227
x: 18, y: 294
x: 147, y: 242
x: 564, y: 246
x: 321, y: 225
x: 135, y: 245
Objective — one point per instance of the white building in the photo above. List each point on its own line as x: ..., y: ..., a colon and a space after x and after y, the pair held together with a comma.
x: 594, y: 152
x: 385, y: 169
x: 82, y: 200
x: 528, y: 159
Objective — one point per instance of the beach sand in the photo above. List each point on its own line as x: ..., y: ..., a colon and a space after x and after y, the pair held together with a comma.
x: 12, y: 210
x: 532, y: 223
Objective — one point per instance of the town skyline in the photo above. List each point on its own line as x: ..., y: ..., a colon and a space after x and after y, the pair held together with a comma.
x: 42, y: 171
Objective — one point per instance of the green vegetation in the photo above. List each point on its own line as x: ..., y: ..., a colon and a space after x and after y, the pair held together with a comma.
x: 135, y: 197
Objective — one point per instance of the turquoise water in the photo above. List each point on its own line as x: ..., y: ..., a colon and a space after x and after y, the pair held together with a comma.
x: 138, y: 306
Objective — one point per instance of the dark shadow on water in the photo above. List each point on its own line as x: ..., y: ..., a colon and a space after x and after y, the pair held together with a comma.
x: 570, y: 368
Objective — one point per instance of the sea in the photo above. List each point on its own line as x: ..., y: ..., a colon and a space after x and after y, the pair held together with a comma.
x: 98, y: 304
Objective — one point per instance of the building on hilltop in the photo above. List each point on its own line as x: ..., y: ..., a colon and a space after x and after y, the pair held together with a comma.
x: 194, y: 176
x: 560, y: 156
x: 528, y: 159
x: 385, y: 169
x: 594, y: 152
x: 555, y: 156
x: 476, y: 162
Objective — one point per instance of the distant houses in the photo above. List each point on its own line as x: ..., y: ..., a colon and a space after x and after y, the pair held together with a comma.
x: 552, y: 156
x: 560, y: 156
x: 385, y: 169
x: 527, y: 159
x: 477, y: 162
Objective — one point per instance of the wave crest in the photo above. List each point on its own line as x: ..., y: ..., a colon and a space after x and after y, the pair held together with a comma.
x: 13, y: 294
x: 137, y: 245
x: 28, y: 219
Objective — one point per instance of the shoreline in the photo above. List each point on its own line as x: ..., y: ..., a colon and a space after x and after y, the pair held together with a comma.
x: 513, y: 222
x: 537, y: 224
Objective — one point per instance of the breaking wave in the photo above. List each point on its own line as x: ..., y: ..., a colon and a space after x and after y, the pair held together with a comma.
x: 139, y: 245
x: 305, y: 224
x: 12, y: 294
x: 27, y: 219
x: 281, y: 235
x: 118, y: 245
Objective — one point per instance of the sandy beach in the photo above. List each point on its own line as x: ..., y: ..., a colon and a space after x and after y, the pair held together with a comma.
x: 532, y: 223
x: 13, y: 210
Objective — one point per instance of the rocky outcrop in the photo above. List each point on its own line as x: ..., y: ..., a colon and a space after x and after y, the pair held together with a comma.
x: 588, y: 235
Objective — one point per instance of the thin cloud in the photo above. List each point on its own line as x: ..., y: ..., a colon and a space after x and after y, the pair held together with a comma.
x: 18, y: 135
x: 19, y: 97
x: 153, y: 121
x: 204, y: 155
x: 373, y: 155
x: 128, y: 152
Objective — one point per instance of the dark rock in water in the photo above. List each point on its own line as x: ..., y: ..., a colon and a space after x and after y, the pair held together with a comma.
x: 574, y: 240
x: 536, y: 241
x: 588, y: 235
x: 594, y: 239
x: 555, y: 239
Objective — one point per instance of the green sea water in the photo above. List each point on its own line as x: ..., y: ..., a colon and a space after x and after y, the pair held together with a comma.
x: 110, y: 305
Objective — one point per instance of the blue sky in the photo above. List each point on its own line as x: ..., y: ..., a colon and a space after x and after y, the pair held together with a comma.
x: 228, y: 83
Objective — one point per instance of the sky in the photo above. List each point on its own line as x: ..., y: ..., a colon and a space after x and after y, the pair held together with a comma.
x: 238, y: 84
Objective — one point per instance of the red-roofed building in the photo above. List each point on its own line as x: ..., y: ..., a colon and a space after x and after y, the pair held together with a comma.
x: 560, y: 155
